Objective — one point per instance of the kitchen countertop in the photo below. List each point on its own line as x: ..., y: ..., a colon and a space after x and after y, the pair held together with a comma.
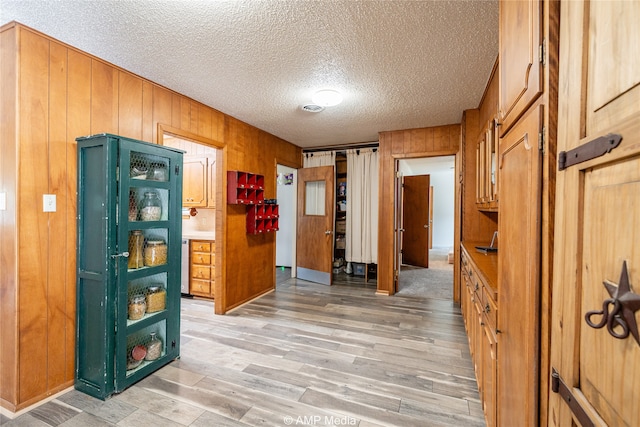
x: 199, y: 235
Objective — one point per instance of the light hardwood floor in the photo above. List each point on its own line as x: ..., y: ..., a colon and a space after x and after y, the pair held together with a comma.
x: 307, y: 355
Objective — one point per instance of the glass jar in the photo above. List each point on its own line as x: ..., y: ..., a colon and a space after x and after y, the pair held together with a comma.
x: 151, y: 207
x: 137, y: 307
x: 155, y: 253
x: 136, y: 248
x: 157, y: 172
x: 156, y: 298
x: 154, y: 348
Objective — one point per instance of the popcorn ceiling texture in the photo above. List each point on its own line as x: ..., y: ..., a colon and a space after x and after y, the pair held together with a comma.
x: 399, y: 64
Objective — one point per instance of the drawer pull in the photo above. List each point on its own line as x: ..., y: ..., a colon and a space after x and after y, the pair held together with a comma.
x: 487, y: 308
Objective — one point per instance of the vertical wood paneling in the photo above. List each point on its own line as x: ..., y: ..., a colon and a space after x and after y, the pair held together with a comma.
x: 8, y: 220
x: 176, y: 111
x: 417, y: 140
x: 148, y: 128
x: 193, y: 118
x: 204, y: 122
x: 104, y: 98
x: 78, y: 124
x: 185, y: 112
x: 130, y: 106
x: 33, y: 232
x: 217, y: 125
x: 161, y: 109
x: 57, y: 279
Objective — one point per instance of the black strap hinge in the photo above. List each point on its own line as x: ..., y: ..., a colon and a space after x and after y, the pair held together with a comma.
x: 559, y: 386
x: 590, y: 150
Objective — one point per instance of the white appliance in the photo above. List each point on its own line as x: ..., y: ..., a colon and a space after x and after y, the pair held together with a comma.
x: 184, y: 277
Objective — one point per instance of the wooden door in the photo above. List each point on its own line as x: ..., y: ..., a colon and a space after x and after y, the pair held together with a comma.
x: 521, y: 77
x: 597, y: 220
x: 430, y: 229
x: 519, y: 224
x: 415, y: 220
x: 314, y: 245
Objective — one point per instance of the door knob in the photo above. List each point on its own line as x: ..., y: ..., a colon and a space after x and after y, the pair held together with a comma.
x: 327, y: 232
x: 426, y: 226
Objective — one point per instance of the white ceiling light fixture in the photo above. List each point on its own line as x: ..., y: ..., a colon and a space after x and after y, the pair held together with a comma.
x: 327, y: 98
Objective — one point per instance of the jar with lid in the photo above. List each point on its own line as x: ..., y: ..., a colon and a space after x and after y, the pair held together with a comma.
x: 154, y: 348
x: 136, y: 356
x: 157, y: 172
x: 137, y: 307
x: 156, y: 298
x: 155, y: 253
x: 136, y: 248
x: 151, y: 207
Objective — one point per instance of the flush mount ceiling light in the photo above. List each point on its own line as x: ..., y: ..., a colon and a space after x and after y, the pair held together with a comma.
x: 327, y: 98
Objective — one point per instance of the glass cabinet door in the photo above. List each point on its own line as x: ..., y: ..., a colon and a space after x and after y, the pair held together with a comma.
x: 148, y: 279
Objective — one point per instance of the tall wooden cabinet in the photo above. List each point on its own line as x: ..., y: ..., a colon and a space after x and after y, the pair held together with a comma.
x: 526, y: 166
x: 128, y: 280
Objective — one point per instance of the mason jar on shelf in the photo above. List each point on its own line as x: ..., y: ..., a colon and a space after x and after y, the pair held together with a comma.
x: 151, y: 207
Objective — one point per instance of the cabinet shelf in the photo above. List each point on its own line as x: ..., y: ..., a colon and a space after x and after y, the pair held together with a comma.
x: 148, y: 320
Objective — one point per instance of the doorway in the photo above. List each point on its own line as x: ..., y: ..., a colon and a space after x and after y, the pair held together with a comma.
x: 432, y: 278
x: 201, y: 191
x: 286, y: 184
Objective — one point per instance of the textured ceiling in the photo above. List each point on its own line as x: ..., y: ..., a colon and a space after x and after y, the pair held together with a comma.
x: 399, y: 64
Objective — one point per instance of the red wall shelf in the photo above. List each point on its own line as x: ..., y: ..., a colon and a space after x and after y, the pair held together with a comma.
x: 245, y: 188
x: 262, y: 218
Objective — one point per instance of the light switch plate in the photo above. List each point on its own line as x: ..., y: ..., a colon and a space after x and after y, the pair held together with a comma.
x: 48, y: 203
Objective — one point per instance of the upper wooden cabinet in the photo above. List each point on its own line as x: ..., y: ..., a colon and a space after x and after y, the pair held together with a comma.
x: 194, y: 190
x: 487, y: 168
x: 521, y: 55
x: 199, y: 189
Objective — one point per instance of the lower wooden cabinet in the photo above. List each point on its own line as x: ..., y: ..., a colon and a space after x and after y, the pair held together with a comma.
x: 479, y: 309
x: 202, y: 279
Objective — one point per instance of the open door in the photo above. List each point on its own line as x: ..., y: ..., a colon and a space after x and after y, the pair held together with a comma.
x: 315, y: 224
x: 415, y: 208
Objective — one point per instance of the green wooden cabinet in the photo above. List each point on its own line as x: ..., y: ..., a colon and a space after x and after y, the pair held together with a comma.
x: 128, y: 250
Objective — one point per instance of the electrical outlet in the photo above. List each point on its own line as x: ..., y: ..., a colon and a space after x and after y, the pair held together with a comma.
x: 48, y: 203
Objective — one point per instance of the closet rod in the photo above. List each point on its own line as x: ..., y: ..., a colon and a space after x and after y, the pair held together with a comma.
x: 341, y: 147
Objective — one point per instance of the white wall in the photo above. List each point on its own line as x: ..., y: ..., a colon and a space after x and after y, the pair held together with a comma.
x: 441, y: 170
x: 286, y: 235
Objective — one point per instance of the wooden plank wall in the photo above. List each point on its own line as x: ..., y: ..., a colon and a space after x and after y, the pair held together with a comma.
x: 411, y: 143
x: 63, y: 93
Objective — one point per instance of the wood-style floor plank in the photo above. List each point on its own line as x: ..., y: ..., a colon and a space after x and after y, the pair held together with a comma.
x: 305, y: 354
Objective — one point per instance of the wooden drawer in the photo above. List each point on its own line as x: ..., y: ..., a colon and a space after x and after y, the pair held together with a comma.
x: 201, y: 258
x: 200, y: 272
x: 200, y: 246
x: 201, y: 287
x: 491, y: 312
